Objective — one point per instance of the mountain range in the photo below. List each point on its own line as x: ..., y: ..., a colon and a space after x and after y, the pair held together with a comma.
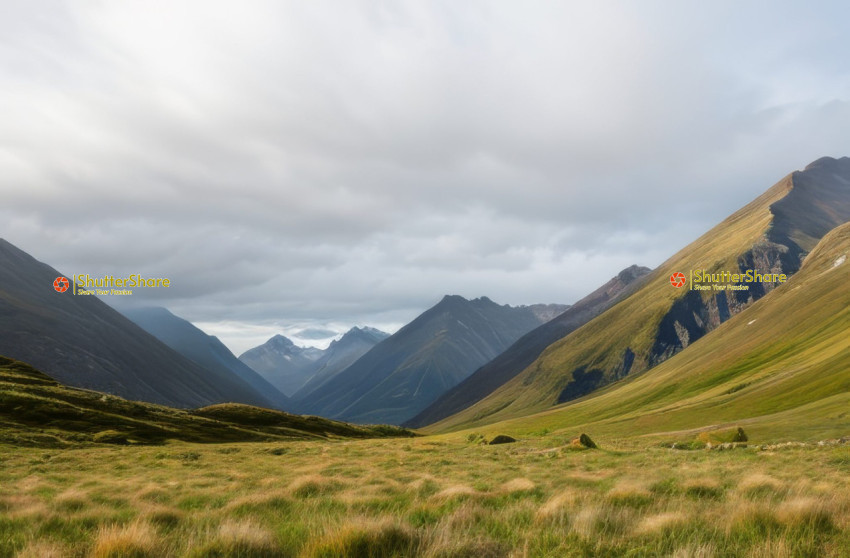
x: 779, y: 369
x: 341, y: 354
x: 82, y: 342
x: 772, y: 234
x: 297, y: 371
x: 637, y: 356
x: 404, y: 373
x: 528, y: 347
x: 283, y: 363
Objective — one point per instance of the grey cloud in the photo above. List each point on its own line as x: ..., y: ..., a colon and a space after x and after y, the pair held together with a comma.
x: 317, y: 163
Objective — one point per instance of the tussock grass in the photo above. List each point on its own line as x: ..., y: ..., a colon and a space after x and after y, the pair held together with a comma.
x: 240, y: 539
x: 456, y: 492
x: 400, y: 498
x: 43, y: 549
x: 758, y: 485
x: 366, y: 540
x: 136, y: 540
x: 629, y: 493
x: 518, y: 485
x: 557, y: 507
x: 665, y: 521
x: 313, y: 485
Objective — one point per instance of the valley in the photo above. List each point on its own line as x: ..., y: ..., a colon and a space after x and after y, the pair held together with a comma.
x: 646, y: 419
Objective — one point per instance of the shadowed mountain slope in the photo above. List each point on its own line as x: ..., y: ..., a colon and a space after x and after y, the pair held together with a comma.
x: 82, y: 342
x: 202, y: 349
x: 341, y: 354
x: 404, y: 373
x: 527, y: 348
x: 282, y: 363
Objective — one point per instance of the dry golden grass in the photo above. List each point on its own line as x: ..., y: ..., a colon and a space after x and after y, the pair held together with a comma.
x: 557, y: 506
x: 136, y: 540
x: 518, y: 485
x: 313, y: 485
x: 661, y: 521
x: 458, y: 491
x: 698, y: 551
x: 432, y: 497
x: 365, y: 539
x: 43, y: 549
x: 757, y: 484
x: 245, y: 538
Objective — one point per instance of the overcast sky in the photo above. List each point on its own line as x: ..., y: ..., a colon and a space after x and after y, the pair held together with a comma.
x: 307, y: 166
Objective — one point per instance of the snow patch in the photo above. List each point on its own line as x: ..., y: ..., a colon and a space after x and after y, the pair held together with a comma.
x: 839, y: 261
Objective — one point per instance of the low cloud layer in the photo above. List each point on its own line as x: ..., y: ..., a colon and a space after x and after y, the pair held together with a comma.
x: 307, y: 166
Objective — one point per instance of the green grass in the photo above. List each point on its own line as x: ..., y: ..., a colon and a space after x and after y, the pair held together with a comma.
x: 632, y: 323
x: 780, y: 370
x: 37, y: 411
x: 396, y: 497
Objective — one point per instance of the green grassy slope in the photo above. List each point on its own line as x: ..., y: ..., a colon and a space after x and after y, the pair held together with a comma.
x: 781, y: 369
x: 646, y: 328
x: 630, y: 324
x: 37, y: 410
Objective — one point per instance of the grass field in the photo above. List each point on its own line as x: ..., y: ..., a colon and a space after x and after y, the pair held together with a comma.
x: 436, y: 496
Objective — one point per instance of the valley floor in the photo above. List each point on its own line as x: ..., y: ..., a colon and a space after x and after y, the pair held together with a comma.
x: 423, y: 497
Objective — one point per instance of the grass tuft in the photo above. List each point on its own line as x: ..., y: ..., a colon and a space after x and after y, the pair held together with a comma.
x: 313, y: 485
x: 136, y: 540
x: 365, y: 540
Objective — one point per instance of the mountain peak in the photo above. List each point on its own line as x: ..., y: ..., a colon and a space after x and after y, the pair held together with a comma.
x: 364, y: 332
x: 279, y: 341
x: 825, y: 162
x: 632, y: 272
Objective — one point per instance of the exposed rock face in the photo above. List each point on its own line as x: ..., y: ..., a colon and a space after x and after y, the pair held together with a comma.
x: 818, y: 202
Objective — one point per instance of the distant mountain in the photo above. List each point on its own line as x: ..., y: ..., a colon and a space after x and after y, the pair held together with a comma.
x: 528, y: 347
x: 403, y: 374
x: 770, y: 235
x: 82, y: 342
x: 282, y: 363
x: 200, y: 348
x: 341, y: 354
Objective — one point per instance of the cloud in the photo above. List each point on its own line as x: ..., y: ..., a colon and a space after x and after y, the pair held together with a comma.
x: 321, y: 163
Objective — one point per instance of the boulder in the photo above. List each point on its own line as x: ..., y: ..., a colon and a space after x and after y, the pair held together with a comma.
x: 583, y: 441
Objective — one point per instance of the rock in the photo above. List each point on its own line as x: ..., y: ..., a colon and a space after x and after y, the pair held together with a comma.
x: 584, y: 442
x: 502, y: 439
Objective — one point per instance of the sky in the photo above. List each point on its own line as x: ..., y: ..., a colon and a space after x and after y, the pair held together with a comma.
x: 304, y: 167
